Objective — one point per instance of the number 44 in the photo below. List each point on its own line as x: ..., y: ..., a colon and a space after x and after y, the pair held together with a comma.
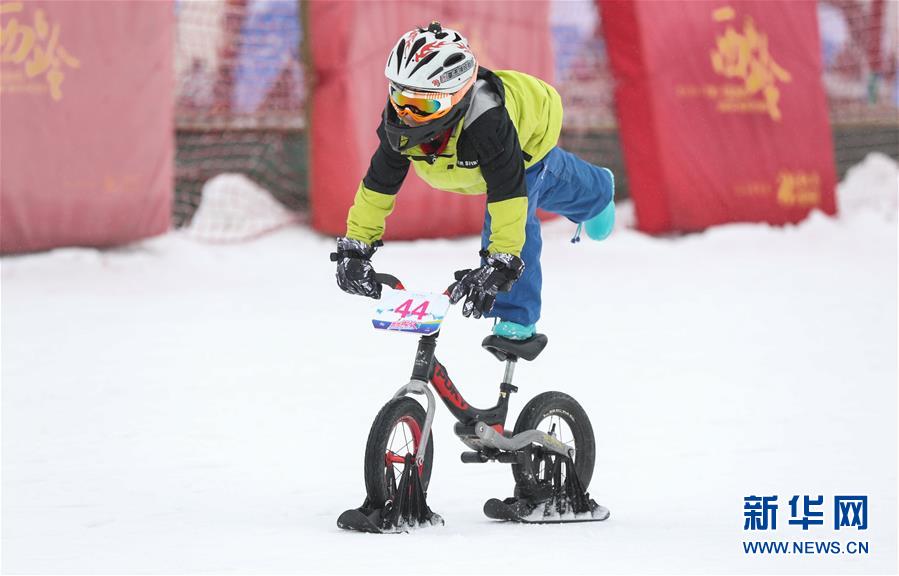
x: 419, y: 311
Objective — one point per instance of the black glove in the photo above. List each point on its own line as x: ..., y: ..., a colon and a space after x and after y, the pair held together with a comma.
x: 355, y: 274
x: 480, y: 285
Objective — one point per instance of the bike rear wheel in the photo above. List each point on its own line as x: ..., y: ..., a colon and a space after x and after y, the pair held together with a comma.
x: 396, y: 431
x: 559, y: 415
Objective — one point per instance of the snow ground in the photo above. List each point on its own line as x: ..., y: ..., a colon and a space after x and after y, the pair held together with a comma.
x: 173, y: 407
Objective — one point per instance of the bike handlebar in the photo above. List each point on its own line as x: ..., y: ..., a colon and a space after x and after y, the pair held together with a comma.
x: 394, y: 282
x: 389, y: 280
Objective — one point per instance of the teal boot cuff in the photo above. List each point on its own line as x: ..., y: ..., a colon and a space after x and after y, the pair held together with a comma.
x: 600, y: 226
x: 514, y: 331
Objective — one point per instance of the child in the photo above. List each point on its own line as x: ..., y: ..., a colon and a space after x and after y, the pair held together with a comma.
x: 468, y: 130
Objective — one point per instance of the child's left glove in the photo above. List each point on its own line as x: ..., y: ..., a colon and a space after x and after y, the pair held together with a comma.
x: 480, y: 285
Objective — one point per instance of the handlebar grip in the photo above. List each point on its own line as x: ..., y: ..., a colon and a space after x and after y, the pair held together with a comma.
x: 389, y: 280
x: 394, y: 282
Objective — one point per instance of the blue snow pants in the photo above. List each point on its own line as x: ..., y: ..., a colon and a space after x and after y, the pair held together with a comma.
x: 563, y: 184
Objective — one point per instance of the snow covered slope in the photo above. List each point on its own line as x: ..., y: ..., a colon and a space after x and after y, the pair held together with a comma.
x: 174, y: 407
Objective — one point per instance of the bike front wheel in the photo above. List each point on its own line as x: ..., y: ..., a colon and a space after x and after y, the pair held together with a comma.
x: 396, y: 432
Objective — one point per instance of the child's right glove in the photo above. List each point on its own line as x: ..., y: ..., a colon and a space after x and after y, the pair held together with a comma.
x: 480, y: 285
x: 355, y: 274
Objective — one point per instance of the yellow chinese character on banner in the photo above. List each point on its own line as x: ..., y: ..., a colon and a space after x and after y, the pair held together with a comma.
x: 36, y: 46
x: 744, y: 55
x: 798, y: 188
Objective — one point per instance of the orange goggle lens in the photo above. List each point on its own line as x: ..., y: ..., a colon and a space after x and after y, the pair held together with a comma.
x: 420, y: 105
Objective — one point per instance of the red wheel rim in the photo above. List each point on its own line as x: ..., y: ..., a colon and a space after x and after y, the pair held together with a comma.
x: 404, y: 439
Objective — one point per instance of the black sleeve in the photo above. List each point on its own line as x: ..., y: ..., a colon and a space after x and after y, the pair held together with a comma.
x: 495, y: 139
x: 388, y: 167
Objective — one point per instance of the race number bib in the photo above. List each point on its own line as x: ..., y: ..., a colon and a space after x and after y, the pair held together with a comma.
x: 404, y: 311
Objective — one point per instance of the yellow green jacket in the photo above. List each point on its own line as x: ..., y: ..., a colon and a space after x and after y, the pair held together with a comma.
x: 513, y: 120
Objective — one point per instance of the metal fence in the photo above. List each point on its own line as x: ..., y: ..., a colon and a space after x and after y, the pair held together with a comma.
x: 241, y: 90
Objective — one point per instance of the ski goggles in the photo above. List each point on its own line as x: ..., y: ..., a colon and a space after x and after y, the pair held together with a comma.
x: 423, y: 106
x: 420, y: 106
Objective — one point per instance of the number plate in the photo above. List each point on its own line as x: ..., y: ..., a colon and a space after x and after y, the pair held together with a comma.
x: 404, y: 311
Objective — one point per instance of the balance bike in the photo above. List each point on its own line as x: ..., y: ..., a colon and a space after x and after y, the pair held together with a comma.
x: 551, y: 449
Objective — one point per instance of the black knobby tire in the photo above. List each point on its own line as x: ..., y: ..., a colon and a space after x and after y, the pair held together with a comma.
x: 563, y: 406
x: 400, y: 415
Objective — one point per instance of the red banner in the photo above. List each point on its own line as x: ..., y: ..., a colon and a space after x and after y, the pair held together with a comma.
x: 722, y: 112
x: 350, y: 42
x: 87, y: 130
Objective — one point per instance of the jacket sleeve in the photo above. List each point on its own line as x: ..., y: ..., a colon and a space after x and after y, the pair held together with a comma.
x: 376, y: 194
x: 495, y: 139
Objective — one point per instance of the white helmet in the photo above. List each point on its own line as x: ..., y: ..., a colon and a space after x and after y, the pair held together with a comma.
x: 437, y: 59
x: 431, y: 73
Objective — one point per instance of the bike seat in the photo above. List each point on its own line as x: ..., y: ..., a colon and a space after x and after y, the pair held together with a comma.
x: 505, y: 349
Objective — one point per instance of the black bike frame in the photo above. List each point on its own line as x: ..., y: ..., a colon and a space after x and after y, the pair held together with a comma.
x: 428, y: 369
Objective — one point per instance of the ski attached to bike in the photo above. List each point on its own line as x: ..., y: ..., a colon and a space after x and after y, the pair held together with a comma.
x: 407, y: 510
x: 556, y: 497
x: 515, y: 510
